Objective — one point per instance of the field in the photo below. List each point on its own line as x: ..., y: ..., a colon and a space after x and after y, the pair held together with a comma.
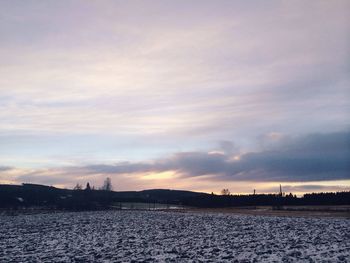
x: 124, y: 236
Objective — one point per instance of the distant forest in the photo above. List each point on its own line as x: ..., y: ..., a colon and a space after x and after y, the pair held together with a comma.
x: 33, y: 195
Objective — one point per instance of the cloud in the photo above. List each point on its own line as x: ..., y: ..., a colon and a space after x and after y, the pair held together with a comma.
x: 5, y: 168
x: 228, y: 147
x: 307, y: 188
x: 124, y: 81
x: 314, y: 157
x: 315, y: 162
x: 310, y: 158
x: 232, y: 64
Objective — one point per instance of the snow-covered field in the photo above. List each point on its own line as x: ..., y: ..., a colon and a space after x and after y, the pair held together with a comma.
x: 113, y: 236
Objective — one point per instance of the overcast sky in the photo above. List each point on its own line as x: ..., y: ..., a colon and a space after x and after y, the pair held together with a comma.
x: 197, y: 95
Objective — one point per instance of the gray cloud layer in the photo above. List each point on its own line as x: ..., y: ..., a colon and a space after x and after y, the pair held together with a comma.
x: 5, y: 168
x: 314, y: 157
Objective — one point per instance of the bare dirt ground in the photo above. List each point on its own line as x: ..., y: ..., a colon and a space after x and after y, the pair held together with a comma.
x: 291, y: 211
x: 156, y: 236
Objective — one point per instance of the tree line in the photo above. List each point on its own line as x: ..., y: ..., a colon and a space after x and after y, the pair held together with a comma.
x: 32, y: 195
x: 107, y: 186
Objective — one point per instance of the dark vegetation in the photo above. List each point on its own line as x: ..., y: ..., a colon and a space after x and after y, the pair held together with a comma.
x: 32, y: 195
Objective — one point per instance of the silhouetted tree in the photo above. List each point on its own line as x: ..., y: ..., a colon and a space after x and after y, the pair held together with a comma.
x: 107, y: 184
x: 88, y: 188
x: 78, y: 187
x: 225, y: 192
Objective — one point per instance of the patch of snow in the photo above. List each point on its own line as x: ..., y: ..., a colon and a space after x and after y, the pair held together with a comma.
x: 112, y: 236
x: 20, y: 199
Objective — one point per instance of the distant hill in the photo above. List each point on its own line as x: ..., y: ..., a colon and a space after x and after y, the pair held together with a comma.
x: 42, y: 195
x: 34, y: 195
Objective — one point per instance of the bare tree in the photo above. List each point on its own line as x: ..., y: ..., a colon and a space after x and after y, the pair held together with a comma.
x: 78, y: 187
x: 107, y: 184
x: 225, y: 192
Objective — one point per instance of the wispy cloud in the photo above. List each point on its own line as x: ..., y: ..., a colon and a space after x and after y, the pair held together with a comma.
x: 154, y: 85
x: 239, y: 64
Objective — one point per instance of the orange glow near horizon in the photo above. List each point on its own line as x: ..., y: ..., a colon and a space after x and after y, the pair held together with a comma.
x: 158, y: 176
x: 170, y: 180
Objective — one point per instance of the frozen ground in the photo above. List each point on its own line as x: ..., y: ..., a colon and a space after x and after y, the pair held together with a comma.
x: 115, y: 236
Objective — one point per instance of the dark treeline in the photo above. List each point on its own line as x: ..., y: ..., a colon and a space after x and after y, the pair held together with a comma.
x: 31, y: 195
x: 338, y: 198
x: 48, y: 197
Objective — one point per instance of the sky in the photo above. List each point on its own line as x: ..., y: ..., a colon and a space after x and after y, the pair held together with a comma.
x: 188, y: 94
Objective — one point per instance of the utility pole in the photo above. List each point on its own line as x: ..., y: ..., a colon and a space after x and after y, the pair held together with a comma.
x: 281, y: 194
